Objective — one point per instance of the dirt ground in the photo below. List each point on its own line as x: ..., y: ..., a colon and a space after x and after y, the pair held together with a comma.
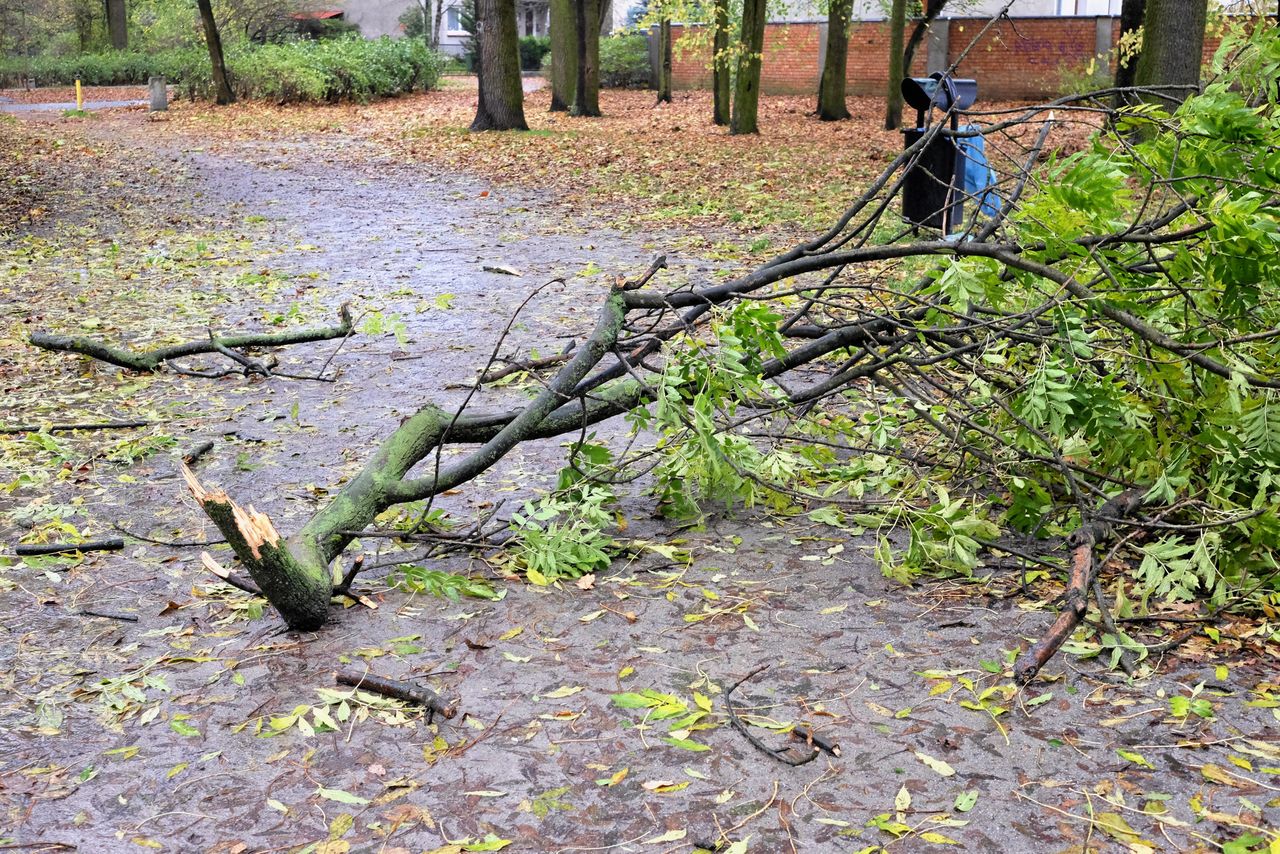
x: 186, y: 719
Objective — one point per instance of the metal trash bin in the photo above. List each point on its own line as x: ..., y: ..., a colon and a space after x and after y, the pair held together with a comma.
x: 933, y: 190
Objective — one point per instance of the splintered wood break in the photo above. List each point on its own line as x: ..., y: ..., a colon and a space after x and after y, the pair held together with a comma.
x: 255, y: 527
x: 197, y: 490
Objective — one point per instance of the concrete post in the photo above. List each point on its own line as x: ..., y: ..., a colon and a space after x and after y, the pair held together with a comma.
x: 822, y: 48
x: 159, y: 94
x: 1101, y: 49
x: 939, y: 45
x: 655, y: 55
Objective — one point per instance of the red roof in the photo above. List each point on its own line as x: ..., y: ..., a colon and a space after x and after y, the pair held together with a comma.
x: 320, y: 15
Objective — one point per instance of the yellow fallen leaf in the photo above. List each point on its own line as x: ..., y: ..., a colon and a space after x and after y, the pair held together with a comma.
x: 936, y: 764
x: 562, y: 692
x: 669, y: 836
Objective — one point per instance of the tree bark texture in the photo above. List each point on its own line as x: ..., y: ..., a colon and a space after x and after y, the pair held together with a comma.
x: 721, y: 79
x: 664, y: 61
x: 893, y: 97
x: 117, y: 24
x: 221, y: 81
x: 831, y: 88
x: 746, y: 96
x: 564, y: 54
x: 1172, y: 44
x: 586, y: 91
x: 500, y: 105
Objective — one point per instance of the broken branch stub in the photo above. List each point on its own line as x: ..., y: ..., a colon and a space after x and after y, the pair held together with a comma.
x: 299, y: 589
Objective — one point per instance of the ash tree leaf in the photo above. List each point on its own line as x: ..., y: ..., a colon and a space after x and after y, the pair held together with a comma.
x: 965, y: 800
x: 341, y: 797
x: 1136, y: 758
x: 937, y: 765
x: 669, y: 836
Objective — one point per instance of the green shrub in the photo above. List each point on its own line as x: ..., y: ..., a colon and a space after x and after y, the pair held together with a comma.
x: 532, y: 50
x: 296, y: 71
x: 624, y: 62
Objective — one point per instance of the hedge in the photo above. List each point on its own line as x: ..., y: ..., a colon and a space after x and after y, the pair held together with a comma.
x: 330, y: 70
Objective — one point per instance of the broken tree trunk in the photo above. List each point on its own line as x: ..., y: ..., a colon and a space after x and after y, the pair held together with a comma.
x: 295, y: 574
x: 151, y: 360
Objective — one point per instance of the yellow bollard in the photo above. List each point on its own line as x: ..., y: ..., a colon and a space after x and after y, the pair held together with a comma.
x: 79, y: 97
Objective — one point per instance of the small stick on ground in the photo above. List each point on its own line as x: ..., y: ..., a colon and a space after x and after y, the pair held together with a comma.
x: 193, y: 456
x: 779, y: 755
x: 112, y: 544
x: 399, y: 690
x: 812, y: 739
x: 107, y: 615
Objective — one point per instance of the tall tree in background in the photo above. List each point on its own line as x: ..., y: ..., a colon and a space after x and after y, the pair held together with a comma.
x: 564, y: 54
x: 117, y: 25
x: 1172, y: 43
x: 664, y: 58
x: 221, y: 82
x: 893, y: 98
x: 746, y: 95
x: 720, y: 71
x: 500, y: 105
x: 831, y: 88
x: 933, y: 8
x: 586, y: 91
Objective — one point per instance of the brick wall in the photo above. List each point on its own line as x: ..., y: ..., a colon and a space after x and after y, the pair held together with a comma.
x: 1028, y: 58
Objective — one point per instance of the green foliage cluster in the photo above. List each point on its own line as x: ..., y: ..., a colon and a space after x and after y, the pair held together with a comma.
x: 532, y: 51
x: 1150, y: 358
x: 624, y: 62
x: 1097, y: 394
x: 349, y: 68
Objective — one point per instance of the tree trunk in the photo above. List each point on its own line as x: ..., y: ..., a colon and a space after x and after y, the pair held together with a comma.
x: 746, y: 96
x: 586, y: 92
x: 917, y: 34
x: 500, y: 105
x: 893, y: 97
x: 437, y: 24
x: 720, y: 76
x: 1172, y: 43
x: 664, y: 61
x: 117, y: 25
x: 564, y: 54
x: 221, y: 82
x: 831, y: 88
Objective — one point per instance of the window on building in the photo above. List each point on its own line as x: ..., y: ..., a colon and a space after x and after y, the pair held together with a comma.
x: 452, y: 22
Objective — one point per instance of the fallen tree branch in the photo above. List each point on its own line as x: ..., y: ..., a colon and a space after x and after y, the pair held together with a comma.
x: 1076, y: 597
x: 68, y: 428
x: 406, y: 691
x: 150, y: 360
x: 111, y: 544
